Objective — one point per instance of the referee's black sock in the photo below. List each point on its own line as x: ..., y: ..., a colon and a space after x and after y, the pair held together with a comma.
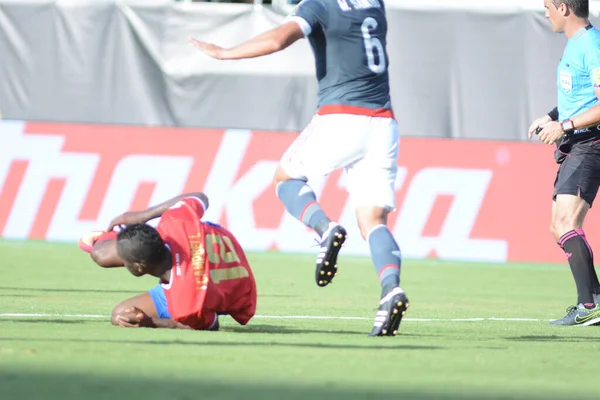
x: 581, y: 261
x: 593, y: 274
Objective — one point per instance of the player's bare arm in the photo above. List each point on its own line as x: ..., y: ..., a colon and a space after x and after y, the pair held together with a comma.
x: 136, y: 318
x: 102, y: 247
x: 105, y: 254
x: 266, y: 43
x: 141, y: 217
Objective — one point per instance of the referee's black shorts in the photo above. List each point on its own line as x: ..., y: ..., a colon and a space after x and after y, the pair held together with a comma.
x: 579, y: 172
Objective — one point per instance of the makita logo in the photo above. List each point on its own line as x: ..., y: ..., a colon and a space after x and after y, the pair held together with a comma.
x: 58, y: 181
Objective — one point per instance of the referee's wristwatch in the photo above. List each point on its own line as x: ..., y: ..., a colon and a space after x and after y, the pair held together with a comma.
x: 567, y: 125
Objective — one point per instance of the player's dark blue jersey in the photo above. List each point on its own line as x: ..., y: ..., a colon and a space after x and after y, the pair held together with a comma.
x: 348, y: 38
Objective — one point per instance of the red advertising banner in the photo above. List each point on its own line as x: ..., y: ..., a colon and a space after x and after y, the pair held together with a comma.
x: 456, y: 199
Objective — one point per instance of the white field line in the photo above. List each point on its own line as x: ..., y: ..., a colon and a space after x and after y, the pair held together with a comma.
x: 26, y: 315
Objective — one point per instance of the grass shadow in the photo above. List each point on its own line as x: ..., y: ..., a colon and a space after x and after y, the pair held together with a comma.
x: 554, y: 338
x: 43, y: 321
x: 21, y: 384
x: 276, y: 329
x: 70, y: 290
x: 178, y: 342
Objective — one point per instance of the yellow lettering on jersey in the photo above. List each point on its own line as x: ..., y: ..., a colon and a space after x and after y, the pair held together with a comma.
x: 197, y: 256
x: 230, y: 256
x: 219, y: 249
x: 225, y: 274
x: 225, y: 252
x: 211, y: 240
x: 195, y: 237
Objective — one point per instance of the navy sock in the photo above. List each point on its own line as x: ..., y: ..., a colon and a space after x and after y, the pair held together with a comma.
x: 300, y: 201
x: 386, y: 256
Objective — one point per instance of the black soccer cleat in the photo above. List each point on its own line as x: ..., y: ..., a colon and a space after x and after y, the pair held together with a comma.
x: 330, y: 246
x: 215, y: 326
x: 392, y: 308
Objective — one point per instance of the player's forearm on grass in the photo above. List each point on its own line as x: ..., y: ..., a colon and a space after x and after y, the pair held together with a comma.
x: 267, y: 43
x: 159, y: 209
x: 167, y: 323
x: 587, y: 119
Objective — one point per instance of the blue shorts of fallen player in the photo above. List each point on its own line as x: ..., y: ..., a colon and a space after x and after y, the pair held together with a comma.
x: 160, y: 302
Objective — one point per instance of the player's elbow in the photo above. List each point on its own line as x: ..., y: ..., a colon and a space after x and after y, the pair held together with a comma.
x: 198, y: 195
x: 286, y: 35
x: 204, y: 199
x: 278, y: 45
x: 119, y: 309
x: 101, y: 257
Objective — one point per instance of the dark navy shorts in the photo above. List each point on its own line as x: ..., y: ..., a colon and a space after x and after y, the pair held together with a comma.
x: 579, y: 172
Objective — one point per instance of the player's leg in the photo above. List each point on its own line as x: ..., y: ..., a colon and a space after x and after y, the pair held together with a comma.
x: 245, y: 308
x: 246, y: 298
x: 387, y: 259
x: 301, y: 201
x: 575, y: 189
x: 235, y: 294
x: 328, y: 143
x: 371, y: 183
x: 153, y: 303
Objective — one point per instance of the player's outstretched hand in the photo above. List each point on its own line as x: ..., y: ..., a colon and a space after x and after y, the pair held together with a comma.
x: 536, y: 125
x: 133, y: 318
x: 127, y: 218
x: 209, y: 49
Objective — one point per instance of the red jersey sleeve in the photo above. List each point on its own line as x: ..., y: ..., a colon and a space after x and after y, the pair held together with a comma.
x: 188, y: 207
x: 194, y: 204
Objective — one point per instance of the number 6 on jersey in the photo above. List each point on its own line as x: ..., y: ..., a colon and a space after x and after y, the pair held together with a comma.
x: 371, y: 43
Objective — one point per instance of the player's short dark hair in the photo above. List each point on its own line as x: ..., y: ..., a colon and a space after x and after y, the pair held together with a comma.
x: 140, y: 243
x: 581, y: 8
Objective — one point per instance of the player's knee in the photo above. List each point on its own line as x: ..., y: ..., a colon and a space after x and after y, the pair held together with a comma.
x: 119, y: 309
x: 553, y: 231
x: 370, y: 217
x: 562, y: 224
x: 280, y: 175
x: 364, y: 231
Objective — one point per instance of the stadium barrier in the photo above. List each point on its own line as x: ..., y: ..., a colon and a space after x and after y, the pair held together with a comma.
x: 456, y: 199
x: 462, y: 69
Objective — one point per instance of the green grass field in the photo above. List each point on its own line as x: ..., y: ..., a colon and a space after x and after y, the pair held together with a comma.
x: 64, y: 354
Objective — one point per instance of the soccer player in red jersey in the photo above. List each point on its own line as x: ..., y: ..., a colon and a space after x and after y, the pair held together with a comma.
x: 203, y: 270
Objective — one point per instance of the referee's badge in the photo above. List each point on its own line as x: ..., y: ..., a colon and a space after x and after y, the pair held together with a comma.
x: 596, y: 77
x: 566, y: 82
